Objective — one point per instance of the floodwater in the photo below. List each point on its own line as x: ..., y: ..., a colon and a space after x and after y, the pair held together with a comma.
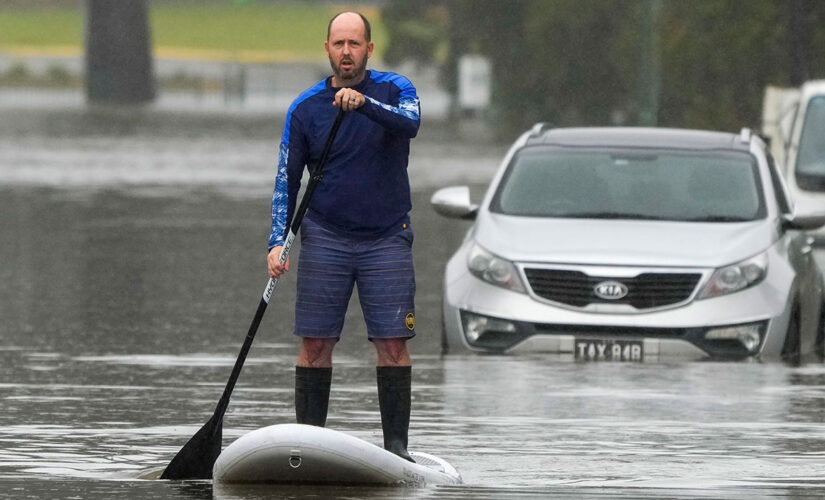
x: 132, y: 260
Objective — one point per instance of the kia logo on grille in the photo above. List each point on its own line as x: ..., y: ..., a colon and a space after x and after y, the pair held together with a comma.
x: 610, y: 290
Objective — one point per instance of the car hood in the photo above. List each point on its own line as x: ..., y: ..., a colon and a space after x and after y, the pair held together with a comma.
x: 622, y: 242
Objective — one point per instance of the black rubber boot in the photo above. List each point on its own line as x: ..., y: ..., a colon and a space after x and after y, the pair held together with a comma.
x: 394, y: 387
x: 312, y: 395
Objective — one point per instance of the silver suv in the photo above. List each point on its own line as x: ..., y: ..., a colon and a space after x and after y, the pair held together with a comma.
x: 633, y: 244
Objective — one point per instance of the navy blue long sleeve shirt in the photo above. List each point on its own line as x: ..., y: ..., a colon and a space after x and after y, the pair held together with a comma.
x: 365, y: 191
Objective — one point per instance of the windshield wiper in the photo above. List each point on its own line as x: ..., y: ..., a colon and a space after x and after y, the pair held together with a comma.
x: 719, y: 218
x: 610, y: 215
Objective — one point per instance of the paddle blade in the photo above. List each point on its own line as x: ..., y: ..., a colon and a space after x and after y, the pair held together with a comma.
x: 196, y: 458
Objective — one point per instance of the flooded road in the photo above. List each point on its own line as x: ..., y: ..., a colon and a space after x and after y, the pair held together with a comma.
x: 132, y: 260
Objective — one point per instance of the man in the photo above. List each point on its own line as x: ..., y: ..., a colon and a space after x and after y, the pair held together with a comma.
x: 357, y: 228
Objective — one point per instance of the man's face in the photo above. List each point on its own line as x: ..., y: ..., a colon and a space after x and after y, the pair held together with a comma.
x: 348, y: 49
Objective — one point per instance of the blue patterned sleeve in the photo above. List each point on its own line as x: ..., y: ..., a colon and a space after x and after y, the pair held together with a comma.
x: 291, y: 161
x: 402, y: 118
x: 280, y: 200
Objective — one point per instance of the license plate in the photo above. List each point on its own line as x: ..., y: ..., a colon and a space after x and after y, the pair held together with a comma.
x: 609, y: 350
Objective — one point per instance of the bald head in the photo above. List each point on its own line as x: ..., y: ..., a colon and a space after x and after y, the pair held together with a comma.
x: 349, y: 18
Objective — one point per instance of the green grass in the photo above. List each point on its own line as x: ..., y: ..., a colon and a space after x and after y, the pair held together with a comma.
x: 41, y: 27
x: 252, y: 30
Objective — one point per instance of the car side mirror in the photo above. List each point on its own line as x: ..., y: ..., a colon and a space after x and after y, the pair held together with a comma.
x: 454, y: 202
x: 804, y: 222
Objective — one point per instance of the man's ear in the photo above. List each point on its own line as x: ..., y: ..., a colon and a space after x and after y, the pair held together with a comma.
x: 326, y: 47
x: 370, y: 46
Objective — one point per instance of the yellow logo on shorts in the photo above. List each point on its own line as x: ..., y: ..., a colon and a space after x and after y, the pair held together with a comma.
x: 410, y: 321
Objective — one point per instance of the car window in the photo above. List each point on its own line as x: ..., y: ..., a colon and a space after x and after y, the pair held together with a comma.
x: 631, y: 184
x: 810, y: 163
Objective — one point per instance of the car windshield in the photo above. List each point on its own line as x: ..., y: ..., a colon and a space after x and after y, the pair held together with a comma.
x: 810, y: 167
x: 631, y: 184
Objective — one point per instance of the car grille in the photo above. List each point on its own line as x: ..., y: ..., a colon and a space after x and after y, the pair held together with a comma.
x: 644, y: 291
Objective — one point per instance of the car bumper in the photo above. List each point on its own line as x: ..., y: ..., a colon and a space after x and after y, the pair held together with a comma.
x: 656, y: 350
x: 679, y: 333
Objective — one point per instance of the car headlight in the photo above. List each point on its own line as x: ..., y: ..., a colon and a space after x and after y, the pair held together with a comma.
x: 736, y: 277
x: 494, y: 270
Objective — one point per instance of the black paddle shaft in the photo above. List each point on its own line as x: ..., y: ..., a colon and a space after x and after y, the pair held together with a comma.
x: 198, y: 455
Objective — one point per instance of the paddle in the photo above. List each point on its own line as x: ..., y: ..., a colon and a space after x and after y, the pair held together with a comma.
x: 198, y: 455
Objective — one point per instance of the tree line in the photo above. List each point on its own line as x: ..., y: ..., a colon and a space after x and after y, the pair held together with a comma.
x: 589, y: 62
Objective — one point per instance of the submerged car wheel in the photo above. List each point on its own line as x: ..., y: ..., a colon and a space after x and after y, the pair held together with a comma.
x: 820, y: 333
x: 790, y: 350
x: 445, y: 346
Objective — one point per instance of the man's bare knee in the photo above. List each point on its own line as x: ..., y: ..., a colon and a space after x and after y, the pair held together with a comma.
x: 316, y: 353
x: 392, y: 352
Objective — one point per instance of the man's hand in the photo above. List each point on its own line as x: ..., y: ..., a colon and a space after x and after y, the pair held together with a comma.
x: 273, y: 262
x: 348, y: 99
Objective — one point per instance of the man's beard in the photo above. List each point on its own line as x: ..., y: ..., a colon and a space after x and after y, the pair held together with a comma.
x: 355, y: 73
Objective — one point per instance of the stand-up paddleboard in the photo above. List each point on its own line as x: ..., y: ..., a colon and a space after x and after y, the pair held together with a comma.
x: 295, y: 453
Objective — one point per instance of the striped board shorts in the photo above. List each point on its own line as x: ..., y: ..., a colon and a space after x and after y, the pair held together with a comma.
x: 382, y: 269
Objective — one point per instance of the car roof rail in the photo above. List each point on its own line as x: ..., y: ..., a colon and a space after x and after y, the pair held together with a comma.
x: 745, y: 135
x: 539, y: 128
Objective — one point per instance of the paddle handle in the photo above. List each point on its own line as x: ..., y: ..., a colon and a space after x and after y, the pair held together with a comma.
x: 270, y: 285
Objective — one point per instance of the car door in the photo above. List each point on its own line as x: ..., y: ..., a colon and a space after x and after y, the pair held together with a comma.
x: 801, y: 257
